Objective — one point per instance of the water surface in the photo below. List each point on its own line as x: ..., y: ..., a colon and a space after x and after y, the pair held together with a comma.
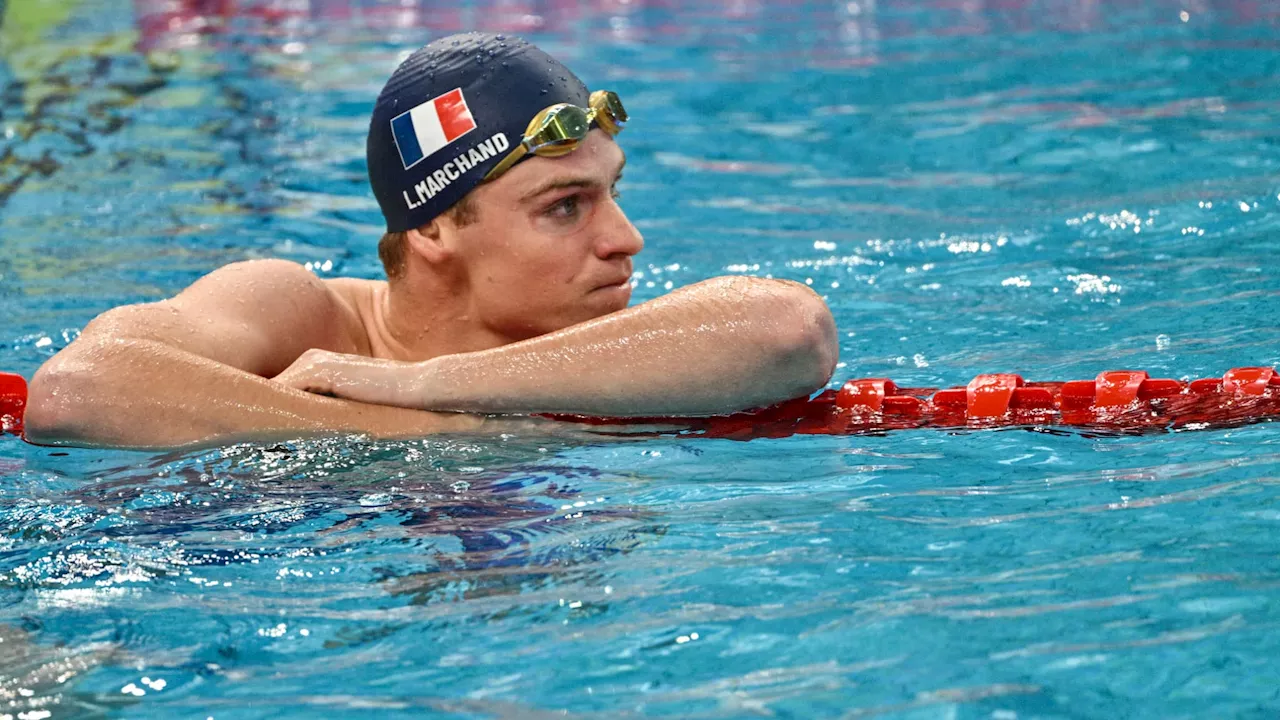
x: 1049, y: 188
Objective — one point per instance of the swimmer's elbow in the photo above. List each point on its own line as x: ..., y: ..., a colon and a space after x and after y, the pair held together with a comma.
x: 811, y: 344
x: 53, y: 414
x: 798, y: 332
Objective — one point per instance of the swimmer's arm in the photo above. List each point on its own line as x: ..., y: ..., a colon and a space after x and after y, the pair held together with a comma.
x: 719, y: 346
x: 189, y: 371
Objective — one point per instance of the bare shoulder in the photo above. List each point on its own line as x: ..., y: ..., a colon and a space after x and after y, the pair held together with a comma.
x: 250, y: 291
x: 256, y: 315
x: 260, y: 280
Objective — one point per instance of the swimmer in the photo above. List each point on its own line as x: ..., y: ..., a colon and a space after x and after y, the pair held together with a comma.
x: 508, y: 264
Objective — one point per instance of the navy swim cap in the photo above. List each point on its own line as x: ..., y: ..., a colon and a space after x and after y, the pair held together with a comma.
x: 450, y: 112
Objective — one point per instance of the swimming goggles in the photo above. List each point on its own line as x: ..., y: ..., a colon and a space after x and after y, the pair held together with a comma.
x: 559, y: 129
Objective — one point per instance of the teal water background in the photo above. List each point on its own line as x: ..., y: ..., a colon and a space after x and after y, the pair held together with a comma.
x: 1048, y: 188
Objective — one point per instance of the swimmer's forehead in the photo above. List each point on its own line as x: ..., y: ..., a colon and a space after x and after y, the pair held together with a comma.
x: 575, y: 175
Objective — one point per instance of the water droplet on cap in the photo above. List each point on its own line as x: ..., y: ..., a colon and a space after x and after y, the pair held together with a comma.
x: 542, y: 92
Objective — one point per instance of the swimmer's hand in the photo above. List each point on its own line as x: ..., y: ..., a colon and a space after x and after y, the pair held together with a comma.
x: 713, y: 348
x: 351, y: 377
x: 390, y: 382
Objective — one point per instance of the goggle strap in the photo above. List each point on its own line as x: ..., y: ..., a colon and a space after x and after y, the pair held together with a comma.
x: 508, y: 161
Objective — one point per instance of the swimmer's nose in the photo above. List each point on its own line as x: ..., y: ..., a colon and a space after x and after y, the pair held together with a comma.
x: 615, y: 234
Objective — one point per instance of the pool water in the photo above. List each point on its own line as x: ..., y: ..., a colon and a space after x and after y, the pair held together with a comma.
x: 1036, y: 186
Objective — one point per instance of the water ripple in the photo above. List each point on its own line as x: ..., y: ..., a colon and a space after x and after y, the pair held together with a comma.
x: 971, y: 188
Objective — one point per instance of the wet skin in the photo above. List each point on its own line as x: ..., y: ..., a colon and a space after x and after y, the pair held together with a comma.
x: 522, y: 310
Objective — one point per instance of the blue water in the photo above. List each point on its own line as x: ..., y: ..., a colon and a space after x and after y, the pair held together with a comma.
x: 1049, y: 188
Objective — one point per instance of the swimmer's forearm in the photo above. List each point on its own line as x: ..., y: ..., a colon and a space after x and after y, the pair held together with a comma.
x: 715, y: 347
x: 143, y: 394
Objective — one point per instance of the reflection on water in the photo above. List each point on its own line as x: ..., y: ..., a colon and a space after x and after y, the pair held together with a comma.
x: 1051, y: 188
x: 458, y: 531
x: 779, y: 577
x: 33, y: 673
x: 821, y: 30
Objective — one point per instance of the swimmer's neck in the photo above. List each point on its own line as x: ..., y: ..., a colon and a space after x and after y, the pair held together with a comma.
x: 412, y: 321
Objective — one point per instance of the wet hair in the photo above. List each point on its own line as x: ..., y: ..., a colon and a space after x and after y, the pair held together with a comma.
x: 391, y: 248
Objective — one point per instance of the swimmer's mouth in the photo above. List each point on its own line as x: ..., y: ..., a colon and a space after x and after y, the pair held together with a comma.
x: 616, y: 283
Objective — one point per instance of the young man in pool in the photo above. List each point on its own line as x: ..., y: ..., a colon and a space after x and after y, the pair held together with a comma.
x: 508, y: 263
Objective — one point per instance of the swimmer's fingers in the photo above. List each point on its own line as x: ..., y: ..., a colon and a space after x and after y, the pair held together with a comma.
x: 354, y: 377
x: 315, y: 371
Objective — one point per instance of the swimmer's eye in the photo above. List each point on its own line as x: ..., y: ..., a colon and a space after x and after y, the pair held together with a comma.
x: 614, y: 192
x: 565, y: 208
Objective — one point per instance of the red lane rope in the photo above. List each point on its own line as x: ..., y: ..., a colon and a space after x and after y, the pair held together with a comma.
x: 1123, y: 401
x: 1116, y: 400
x: 13, y: 401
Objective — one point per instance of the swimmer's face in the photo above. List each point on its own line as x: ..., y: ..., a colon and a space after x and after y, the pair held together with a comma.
x: 550, y: 246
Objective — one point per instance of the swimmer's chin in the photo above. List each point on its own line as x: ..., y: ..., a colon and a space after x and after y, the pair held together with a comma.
x: 618, y: 294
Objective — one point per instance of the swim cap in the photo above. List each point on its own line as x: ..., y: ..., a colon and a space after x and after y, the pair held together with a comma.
x: 450, y: 112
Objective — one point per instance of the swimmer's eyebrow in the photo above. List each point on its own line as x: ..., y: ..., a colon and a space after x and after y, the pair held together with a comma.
x: 568, y: 182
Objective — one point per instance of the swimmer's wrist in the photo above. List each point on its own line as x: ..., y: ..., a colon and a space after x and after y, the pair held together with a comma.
x: 431, y: 388
x: 397, y: 383
x: 458, y: 383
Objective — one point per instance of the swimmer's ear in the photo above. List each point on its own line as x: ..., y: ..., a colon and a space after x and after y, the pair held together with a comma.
x: 429, y: 242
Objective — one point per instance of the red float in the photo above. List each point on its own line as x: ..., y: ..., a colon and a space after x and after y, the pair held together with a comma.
x: 1116, y: 401
x: 1121, y: 401
x: 13, y: 401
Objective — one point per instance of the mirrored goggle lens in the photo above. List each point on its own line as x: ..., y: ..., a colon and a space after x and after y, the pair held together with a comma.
x: 610, y: 113
x: 563, y: 127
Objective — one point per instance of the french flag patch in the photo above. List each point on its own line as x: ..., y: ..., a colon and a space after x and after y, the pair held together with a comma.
x: 431, y: 126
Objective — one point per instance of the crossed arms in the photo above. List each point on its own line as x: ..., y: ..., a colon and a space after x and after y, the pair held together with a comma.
x: 197, y: 369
